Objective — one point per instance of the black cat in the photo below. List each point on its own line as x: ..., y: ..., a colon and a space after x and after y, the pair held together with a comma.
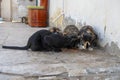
x: 34, y: 43
x: 45, y: 40
x: 55, y: 42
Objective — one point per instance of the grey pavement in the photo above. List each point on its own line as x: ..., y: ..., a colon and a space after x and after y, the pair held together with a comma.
x: 70, y: 64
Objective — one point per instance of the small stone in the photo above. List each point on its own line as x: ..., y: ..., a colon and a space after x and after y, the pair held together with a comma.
x: 47, y: 78
x: 90, y: 49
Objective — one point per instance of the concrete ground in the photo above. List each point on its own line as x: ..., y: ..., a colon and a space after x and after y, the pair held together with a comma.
x: 67, y: 65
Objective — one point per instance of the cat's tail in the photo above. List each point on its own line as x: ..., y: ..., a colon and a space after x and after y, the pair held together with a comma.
x: 16, y: 47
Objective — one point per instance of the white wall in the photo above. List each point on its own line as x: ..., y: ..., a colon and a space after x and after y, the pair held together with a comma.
x: 55, y: 12
x: 6, y: 9
x: 54, y: 6
x: 14, y: 9
x: 21, y: 8
x: 39, y: 2
x: 103, y: 15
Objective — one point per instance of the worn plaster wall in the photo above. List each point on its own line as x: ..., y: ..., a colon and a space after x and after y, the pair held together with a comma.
x: 21, y: 8
x: 103, y: 15
x: 15, y: 9
x: 6, y: 9
x: 56, y: 13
